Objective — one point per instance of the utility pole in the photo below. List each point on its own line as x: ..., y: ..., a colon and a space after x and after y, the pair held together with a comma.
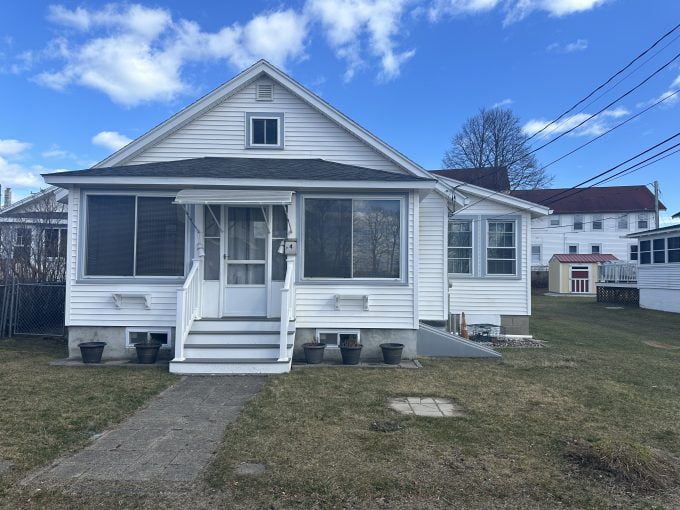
x: 656, y: 204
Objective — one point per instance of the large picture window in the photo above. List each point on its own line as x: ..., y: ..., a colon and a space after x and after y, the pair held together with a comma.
x: 134, y: 236
x: 460, y: 247
x: 501, y: 248
x: 352, y: 238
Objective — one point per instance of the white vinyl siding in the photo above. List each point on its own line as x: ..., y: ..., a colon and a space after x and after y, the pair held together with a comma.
x: 307, y: 134
x: 432, y: 272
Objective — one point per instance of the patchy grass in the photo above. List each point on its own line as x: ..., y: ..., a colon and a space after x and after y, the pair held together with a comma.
x: 45, y: 411
x: 328, y: 439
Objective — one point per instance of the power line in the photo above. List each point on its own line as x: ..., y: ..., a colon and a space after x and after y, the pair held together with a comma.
x: 609, y: 79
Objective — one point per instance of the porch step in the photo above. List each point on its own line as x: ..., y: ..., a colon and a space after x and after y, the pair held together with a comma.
x: 234, y: 346
x: 227, y: 366
x: 232, y: 338
x: 237, y: 324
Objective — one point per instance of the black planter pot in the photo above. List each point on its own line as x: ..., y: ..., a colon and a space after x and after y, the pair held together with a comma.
x: 392, y: 353
x: 350, y: 355
x: 147, y: 353
x: 91, y: 352
x: 313, y: 353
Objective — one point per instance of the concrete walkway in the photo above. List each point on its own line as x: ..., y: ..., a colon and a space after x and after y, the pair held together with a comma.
x: 172, y: 439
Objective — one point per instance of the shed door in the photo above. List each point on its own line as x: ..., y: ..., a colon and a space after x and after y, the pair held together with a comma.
x: 579, y: 279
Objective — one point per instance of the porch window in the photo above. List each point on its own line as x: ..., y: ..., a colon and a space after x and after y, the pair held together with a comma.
x: 460, y: 247
x: 127, y: 235
x: 501, y: 250
x: 645, y: 252
x: 352, y: 238
x: 674, y: 249
x: 659, y: 249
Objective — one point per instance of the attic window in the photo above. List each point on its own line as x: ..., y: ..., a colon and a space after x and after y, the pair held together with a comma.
x: 264, y: 92
x: 264, y: 130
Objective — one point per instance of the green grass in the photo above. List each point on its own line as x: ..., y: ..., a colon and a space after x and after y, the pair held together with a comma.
x: 596, y: 381
x: 45, y: 410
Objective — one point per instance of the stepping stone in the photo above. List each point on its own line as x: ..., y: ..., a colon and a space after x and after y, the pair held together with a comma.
x: 250, y: 469
x: 426, y: 406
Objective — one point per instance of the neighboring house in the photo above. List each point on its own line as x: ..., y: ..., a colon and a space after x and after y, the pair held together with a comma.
x: 491, y: 178
x: 259, y: 218
x: 572, y: 273
x: 594, y: 220
x: 658, y: 275
x: 33, y: 238
x: 676, y: 216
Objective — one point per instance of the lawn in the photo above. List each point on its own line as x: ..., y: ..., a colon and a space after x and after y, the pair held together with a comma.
x: 596, y: 382
x: 45, y: 410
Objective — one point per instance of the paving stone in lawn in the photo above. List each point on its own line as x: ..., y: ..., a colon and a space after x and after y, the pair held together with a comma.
x: 426, y: 406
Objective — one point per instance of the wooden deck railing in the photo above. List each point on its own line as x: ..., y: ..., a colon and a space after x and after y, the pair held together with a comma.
x: 617, y: 272
x: 188, y: 307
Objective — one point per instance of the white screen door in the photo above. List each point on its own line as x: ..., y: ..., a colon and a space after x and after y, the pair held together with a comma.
x: 245, y: 262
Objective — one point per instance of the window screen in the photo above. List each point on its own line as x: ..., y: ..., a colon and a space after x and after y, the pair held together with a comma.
x: 160, y: 237
x: 110, y: 235
x: 674, y: 249
x: 645, y: 252
x: 328, y: 238
x: 659, y: 248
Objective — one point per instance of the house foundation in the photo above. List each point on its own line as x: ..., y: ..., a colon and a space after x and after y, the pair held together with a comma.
x: 113, y: 336
x: 369, y: 338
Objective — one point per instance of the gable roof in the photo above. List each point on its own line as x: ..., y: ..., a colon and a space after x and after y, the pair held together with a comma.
x: 260, y: 68
x: 243, y: 168
x: 493, y: 178
x: 27, y: 200
x: 592, y: 200
x: 676, y: 215
x: 584, y: 257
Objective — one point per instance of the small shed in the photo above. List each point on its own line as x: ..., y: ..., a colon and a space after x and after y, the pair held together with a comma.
x: 574, y: 273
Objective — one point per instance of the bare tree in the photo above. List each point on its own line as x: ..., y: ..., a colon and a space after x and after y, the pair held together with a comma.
x: 33, y: 242
x: 494, y: 138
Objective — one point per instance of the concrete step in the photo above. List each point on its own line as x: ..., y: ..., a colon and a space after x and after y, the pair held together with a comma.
x: 227, y: 366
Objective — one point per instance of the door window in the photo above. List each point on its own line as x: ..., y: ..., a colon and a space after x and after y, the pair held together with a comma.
x: 246, y: 246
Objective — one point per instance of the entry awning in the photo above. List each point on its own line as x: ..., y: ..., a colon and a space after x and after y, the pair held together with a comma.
x: 233, y: 197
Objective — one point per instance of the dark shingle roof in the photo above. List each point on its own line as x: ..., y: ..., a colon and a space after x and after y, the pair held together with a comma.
x: 592, y: 200
x: 247, y: 168
x: 493, y: 178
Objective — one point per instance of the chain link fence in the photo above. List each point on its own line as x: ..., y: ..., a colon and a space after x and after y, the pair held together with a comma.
x: 32, y: 309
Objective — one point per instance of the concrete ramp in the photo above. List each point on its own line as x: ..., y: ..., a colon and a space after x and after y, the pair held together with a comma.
x: 437, y: 343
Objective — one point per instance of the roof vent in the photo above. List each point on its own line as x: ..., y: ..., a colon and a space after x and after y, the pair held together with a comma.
x: 264, y: 92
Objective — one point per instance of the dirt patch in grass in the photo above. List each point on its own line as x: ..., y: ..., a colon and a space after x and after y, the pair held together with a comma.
x: 661, y: 345
x: 636, y: 466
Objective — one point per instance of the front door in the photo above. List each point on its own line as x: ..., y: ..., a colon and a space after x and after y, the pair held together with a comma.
x: 245, y: 261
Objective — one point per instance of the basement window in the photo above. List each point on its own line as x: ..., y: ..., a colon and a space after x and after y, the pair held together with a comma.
x: 335, y: 337
x: 139, y: 335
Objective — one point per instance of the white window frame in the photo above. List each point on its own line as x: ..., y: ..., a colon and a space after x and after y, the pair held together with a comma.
x: 573, y: 252
x: 403, y: 239
x: 637, y: 253
x: 597, y: 218
x: 516, y: 247
x: 623, y: 217
x: 167, y: 331
x: 555, y: 220
x: 643, y: 217
x: 278, y: 117
x: 663, y: 250
x: 599, y: 246
x: 337, y: 333
x: 59, y: 241
x: 471, y: 247
x: 649, y: 252
x: 582, y: 221
x: 540, y: 254
x: 82, y: 240
x: 669, y: 250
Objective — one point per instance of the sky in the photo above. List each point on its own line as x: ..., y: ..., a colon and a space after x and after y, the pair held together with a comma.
x: 78, y: 80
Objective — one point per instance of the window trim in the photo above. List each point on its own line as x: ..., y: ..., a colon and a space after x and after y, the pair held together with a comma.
x: 59, y: 229
x: 599, y: 218
x: 554, y: 217
x: 599, y: 245
x: 540, y: 254
x: 662, y: 250
x: 669, y: 250
x: 618, y: 223
x: 337, y: 332
x: 103, y: 279
x: 641, y: 252
x: 630, y: 253
x: 578, y: 248
x: 517, y: 219
x: 582, y: 222
x: 473, y: 247
x: 644, y: 217
x: 250, y: 116
x: 403, y: 232
x: 137, y: 329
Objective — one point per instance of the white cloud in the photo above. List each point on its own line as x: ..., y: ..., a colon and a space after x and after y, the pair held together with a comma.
x: 670, y: 96
x: 135, y: 54
x: 572, y: 47
x: 515, y: 10
x: 16, y: 175
x: 352, y: 24
x: 111, y: 140
x: 11, y: 147
x: 503, y: 103
x: 594, y: 127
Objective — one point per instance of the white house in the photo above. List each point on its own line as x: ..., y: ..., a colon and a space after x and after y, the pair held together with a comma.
x: 658, y: 276
x: 592, y: 220
x: 260, y: 217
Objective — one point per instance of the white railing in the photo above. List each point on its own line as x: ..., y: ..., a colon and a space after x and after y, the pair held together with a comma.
x: 617, y: 272
x: 287, y: 307
x: 188, y: 307
x: 579, y: 285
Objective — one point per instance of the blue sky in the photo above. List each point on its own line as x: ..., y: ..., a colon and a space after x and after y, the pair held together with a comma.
x: 78, y: 79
